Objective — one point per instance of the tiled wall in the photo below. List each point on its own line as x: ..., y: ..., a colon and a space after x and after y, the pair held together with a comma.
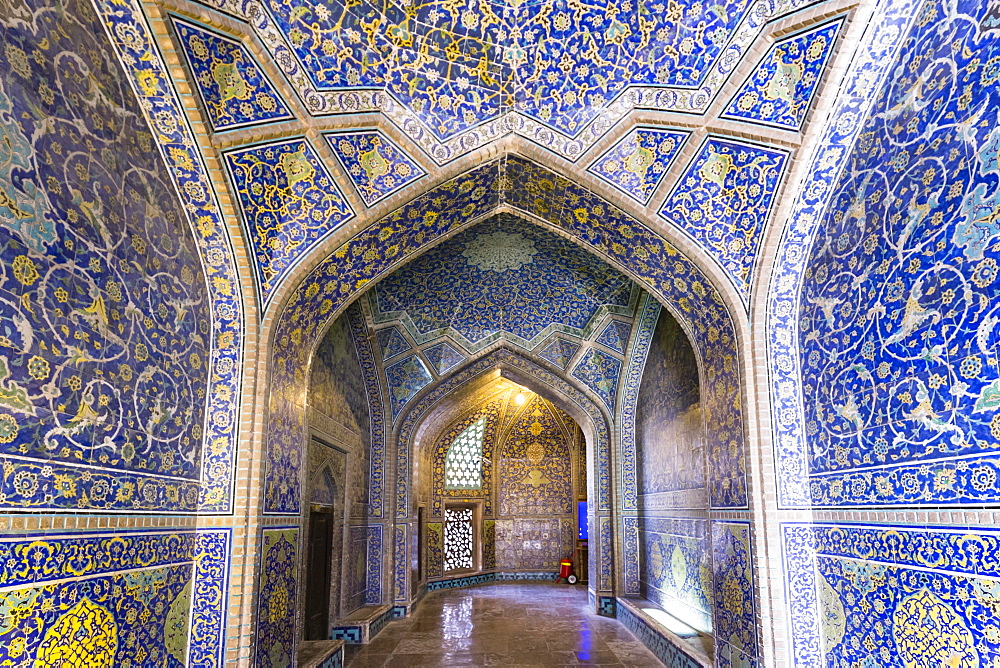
x: 897, y: 351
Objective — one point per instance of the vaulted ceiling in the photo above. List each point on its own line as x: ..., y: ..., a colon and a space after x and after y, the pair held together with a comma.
x: 326, y: 113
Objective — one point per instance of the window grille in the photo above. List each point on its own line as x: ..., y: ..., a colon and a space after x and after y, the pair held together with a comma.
x: 463, y: 465
x: 457, y: 538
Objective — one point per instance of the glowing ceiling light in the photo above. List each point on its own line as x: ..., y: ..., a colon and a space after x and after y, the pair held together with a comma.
x: 520, y: 398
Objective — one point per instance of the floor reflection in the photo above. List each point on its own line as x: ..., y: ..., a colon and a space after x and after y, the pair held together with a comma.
x: 504, y: 625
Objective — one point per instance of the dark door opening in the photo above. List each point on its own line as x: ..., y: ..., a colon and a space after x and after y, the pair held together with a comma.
x: 318, y: 581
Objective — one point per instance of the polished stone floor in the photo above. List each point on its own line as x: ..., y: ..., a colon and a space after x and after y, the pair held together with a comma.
x: 504, y: 625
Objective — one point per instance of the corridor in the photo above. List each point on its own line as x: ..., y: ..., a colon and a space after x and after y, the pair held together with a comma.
x: 504, y: 625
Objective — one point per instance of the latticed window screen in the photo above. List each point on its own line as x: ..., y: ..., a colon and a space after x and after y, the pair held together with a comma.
x: 463, y: 465
x: 457, y: 538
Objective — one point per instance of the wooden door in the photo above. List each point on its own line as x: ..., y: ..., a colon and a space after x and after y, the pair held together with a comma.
x: 317, y: 581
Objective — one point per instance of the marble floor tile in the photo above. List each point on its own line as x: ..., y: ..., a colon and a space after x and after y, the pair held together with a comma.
x: 504, y: 625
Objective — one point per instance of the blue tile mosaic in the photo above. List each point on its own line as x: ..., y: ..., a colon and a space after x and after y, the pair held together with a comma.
x: 376, y: 165
x: 275, y: 642
x: 615, y: 336
x: 896, y: 321
x: 599, y: 371
x: 892, y: 595
x: 863, y: 83
x: 781, y: 89
x: 106, y: 339
x: 735, y: 603
x: 559, y: 351
x: 373, y: 592
x: 131, y: 598
x: 391, y: 342
x: 677, y: 571
x: 288, y: 202
x: 723, y: 200
x: 376, y: 410
x: 511, y: 277
x: 456, y: 65
x: 148, y: 78
x: 638, y: 162
x: 443, y: 357
x: 234, y: 90
x: 405, y: 379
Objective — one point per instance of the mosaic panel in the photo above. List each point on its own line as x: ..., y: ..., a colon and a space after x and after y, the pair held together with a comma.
x: 288, y: 201
x: 276, y: 598
x: 676, y: 568
x: 391, y: 342
x: 674, y: 280
x: 443, y: 357
x: 357, y: 569
x: 894, y: 595
x: 148, y: 79
x: 781, y: 89
x: 630, y: 556
x: 511, y: 277
x: 669, y: 433
x: 233, y: 89
x: 375, y: 164
x: 373, y: 592
x: 405, y: 379
x: 861, y: 86
x: 105, y: 317
x: 535, y: 465
x: 114, y: 599
x: 376, y: 411
x: 435, y: 549
x: 400, y: 564
x: 456, y: 65
x: 615, y: 336
x: 723, y: 201
x: 649, y: 314
x: 896, y: 318
x: 638, y: 162
x: 735, y: 604
x: 527, y: 543
x: 559, y: 351
x: 489, y: 545
x: 600, y: 372
x: 605, y: 554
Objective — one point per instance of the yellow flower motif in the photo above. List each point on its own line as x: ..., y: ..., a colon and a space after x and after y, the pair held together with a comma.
x: 38, y: 368
x: 24, y: 270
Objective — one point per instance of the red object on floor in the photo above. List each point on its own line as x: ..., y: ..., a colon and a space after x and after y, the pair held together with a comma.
x: 565, y: 568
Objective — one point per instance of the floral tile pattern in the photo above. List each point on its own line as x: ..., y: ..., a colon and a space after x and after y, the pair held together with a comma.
x: 375, y: 164
x: 559, y: 351
x: 288, y: 201
x: 391, y: 342
x: 723, y: 201
x: 615, y: 336
x: 443, y: 357
x: 638, y: 162
x: 897, y: 328
x: 600, y: 372
x: 234, y: 90
x: 781, y: 89
x: 405, y: 379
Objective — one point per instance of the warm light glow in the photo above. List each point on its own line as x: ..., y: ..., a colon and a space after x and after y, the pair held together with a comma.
x: 520, y: 398
x: 671, y: 623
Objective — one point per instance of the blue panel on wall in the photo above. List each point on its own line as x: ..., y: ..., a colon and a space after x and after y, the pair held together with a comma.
x: 391, y: 342
x: 723, y: 201
x: 781, y: 89
x: 910, y: 596
x: 559, y: 351
x: 898, y: 332
x: 638, y: 162
x: 600, y: 372
x: 443, y: 357
x: 233, y: 88
x: 405, y: 378
x: 288, y: 201
x: 105, y: 315
x: 375, y: 164
x: 615, y: 336
x: 274, y: 640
